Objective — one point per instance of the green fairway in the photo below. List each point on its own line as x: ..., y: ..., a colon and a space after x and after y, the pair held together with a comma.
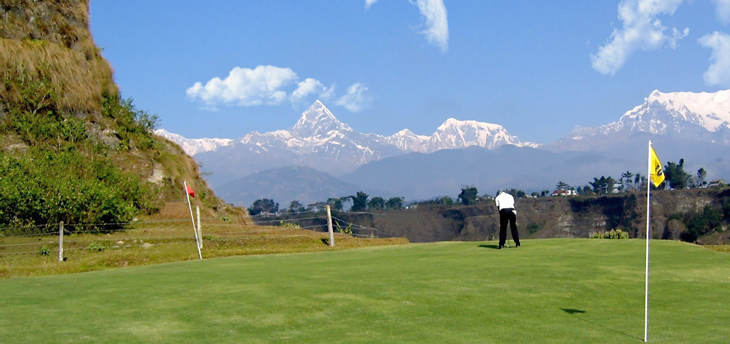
x: 547, y: 291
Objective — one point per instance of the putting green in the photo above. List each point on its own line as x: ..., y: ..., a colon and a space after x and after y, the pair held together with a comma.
x: 547, y: 291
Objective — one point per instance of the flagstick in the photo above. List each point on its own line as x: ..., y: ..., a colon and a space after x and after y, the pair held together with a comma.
x: 197, y: 243
x: 648, y: 235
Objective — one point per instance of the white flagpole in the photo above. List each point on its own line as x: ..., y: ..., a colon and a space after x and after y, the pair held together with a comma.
x: 197, y: 243
x: 648, y: 236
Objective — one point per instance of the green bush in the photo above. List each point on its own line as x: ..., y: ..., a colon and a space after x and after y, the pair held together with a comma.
x: 98, y: 247
x: 49, y: 187
x: 62, y: 174
x: 699, y: 224
x: 135, y: 126
x: 45, y: 251
x: 612, y: 234
x: 285, y: 224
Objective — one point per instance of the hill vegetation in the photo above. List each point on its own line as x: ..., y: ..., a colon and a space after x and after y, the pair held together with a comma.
x: 72, y: 148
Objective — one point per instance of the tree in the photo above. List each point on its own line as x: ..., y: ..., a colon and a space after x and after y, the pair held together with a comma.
x: 296, y: 207
x: 587, y: 191
x: 599, y: 185
x: 516, y: 193
x: 675, y: 175
x: 376, y: 203
x: 626, y: 180
x: 701, y: 175
x: 359, y: 201
x: 468, y: 195
x: 394, y: 203
x: 335, y: 203
x: 263, y: 206
x: 603, y: 185
x: 562, y: 185
x: 316, y: 207
x: 445, y: 200
x: 610, y: 183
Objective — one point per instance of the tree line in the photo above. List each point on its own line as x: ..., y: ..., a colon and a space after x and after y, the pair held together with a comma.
x: 357, y: 202
x: 675, y: 178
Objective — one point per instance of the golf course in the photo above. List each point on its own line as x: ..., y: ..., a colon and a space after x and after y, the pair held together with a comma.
x: 547, y: 291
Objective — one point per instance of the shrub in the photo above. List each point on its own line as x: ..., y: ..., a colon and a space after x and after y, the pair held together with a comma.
x: 45, y: 251
x: 710, y: 220
x: 135, y: 126
x: 98, y: 247
x: 48, y: 187
x: 284, y: 224
x: 64, y: 175
x: 612, y: 234
x: 347, y: 230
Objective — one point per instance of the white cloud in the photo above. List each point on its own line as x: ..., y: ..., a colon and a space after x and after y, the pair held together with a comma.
x: 311, y: 86
x: 437, y: 25
x: 356, y: 99
x: 368, y: 3
x: 267, y: 85
x: 722, y: 8
x: 719, y: 71
x: 245, y: 87
x: 641, y: 31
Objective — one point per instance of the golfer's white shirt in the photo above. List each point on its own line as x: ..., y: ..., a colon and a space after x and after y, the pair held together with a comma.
x: 505, y: 201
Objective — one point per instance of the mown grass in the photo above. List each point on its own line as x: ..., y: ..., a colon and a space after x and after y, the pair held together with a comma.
x: 547, y: 291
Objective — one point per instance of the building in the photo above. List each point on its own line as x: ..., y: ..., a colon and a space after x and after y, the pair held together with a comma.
x: 564, y: 193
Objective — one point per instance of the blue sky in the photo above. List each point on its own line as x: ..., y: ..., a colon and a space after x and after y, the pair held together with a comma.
x: 539, y: 68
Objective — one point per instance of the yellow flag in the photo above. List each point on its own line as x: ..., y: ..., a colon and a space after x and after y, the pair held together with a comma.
x: 657, y: 173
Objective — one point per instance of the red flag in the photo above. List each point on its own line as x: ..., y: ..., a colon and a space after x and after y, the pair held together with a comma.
x: 190, y: 191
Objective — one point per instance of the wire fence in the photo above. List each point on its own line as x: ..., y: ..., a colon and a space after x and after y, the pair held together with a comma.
x: 60, y: 239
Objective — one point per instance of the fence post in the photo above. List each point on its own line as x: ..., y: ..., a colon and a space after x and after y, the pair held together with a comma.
x: 329, y: 226
x: 200, y: 231
x: 60, y: 241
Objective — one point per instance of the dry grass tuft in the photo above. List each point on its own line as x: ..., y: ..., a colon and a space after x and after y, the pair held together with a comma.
x: 53, y: 38
x: 719, y: 248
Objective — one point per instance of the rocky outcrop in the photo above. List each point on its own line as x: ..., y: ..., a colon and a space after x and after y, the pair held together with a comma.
x: 549, y: 217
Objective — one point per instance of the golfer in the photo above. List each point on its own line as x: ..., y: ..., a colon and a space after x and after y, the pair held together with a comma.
x: 507, y: 213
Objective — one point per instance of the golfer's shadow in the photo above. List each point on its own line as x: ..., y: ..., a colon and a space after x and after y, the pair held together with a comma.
x: 492, y: 246
x: 575, y: 312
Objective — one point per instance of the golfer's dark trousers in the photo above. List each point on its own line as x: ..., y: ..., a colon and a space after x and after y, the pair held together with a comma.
x: 508, y: 215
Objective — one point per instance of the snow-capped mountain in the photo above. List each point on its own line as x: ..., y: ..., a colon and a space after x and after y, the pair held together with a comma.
x: 664, y: 113
x: 461, y: 134
x: 318, y: 132
x: 673, y: 116
x: 320, y: 140
x: 194, y: 146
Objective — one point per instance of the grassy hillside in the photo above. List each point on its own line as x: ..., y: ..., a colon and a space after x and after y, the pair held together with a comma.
x: 547, y: 291
x: 71, y: 147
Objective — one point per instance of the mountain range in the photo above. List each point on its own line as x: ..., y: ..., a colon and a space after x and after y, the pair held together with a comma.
x: 693, y: 126
x: 319, y: 140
